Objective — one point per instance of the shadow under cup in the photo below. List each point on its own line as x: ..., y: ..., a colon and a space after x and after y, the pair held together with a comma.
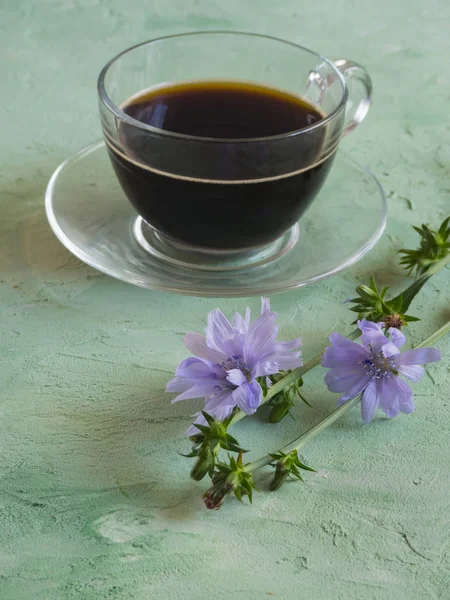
x: 202, y: 195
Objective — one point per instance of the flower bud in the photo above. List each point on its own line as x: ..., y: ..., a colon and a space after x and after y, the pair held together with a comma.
x: 280, y: 476
x: 231, y: 477
x: 204, y: 465
x: 213, y: 501
x: 286, y: 465
x: 279, y: 411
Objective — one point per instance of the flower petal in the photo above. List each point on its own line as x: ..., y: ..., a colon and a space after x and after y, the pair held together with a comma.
x: 404, y: 396
x: 419, y: 356
x: 236, y: 377
x: 411, y: 372
x: 240, y: 399
x: 366, y: 325
x: 179, y: 384
x: 282, y: 356
x: 219, y: 330
x: 234, y: 347
x: 370, y: 327
x: 398, y: 338
x: 239, y: 323
x: 219, y: 402
x: 369, y: 401
x: 254, y: 394
x: 287, y: 346
x: 355, y: 389
x: 372, y: 334
x: 198, y: 390
x: 406, y: 401
x: 388, y: 391
x: 340, y: 341
x: 287, y: 361
x: 389, y: 349
x: 339, y: 357
x: 197, y: 368
x: 265, y: 304
x: 248, y: 397
x: 223, y: 411
x: 266, y: 368
x: 196, y: 343
x: 343, y: 379
x: 260, y: 337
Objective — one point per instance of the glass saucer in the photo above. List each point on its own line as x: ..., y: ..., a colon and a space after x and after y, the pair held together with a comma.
x: 91, y: 216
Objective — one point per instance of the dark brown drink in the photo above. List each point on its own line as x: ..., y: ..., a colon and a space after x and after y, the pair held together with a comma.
x: 231, y: 211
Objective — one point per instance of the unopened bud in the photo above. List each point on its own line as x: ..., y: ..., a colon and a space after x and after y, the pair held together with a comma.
x: 280, y: 409
x: 278, y: 412
x: 204, y: 465
x: 281, y: 474
x: 212, y: 501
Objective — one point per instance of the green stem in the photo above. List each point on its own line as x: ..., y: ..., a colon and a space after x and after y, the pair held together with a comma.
x: 291, y: 377
x: 335, y: 415
x: 308, y: 435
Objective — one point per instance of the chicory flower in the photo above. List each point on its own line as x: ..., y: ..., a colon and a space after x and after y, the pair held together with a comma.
x: 228, y: 361
x: 373, y: 368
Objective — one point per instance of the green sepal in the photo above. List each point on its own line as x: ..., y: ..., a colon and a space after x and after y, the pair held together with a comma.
x: 208, y: 418
x: 207, y: 443
x: 286, y: 465
x: 444, y: 230
x: 434, y: 246
x: 192, y: 454
x: 375, y: 307
x: 203, y: 428
x: 232, y: 477
x: 408, y: 295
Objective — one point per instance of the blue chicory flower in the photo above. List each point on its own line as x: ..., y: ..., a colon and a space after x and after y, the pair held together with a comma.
x: 373, y: 368
x: 228, y: 361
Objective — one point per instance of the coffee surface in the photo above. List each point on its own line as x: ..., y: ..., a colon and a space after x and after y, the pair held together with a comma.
x: 222, y: 110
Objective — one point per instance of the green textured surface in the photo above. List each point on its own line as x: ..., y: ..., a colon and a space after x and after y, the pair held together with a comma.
x: 94, y: 500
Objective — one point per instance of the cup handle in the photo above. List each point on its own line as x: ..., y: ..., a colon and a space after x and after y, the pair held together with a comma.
x: 359, y: 93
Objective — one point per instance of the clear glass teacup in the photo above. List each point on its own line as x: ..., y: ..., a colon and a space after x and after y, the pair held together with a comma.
x: 211, y: 195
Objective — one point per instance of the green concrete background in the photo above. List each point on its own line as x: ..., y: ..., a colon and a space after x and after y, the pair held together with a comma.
x: 94, y: 500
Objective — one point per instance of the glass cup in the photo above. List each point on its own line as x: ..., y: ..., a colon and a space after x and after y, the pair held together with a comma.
x: 211, y: 201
